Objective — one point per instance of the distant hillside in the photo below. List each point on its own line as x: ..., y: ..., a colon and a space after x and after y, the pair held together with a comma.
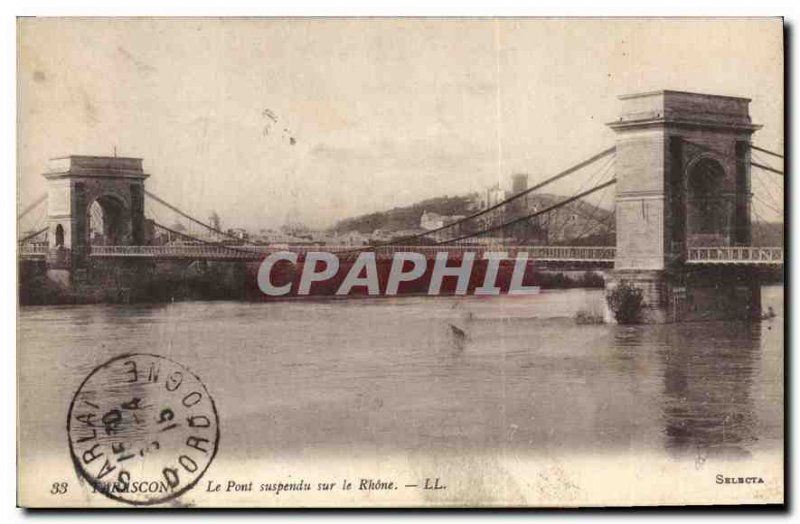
x: 589, y: 225
x: 577, y: 223
x: 405, y: 218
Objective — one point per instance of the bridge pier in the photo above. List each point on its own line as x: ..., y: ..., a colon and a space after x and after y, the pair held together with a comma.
x: 683, y: 180
x: 57, y: 279
x: 693, y: 294
x: 655, y: 287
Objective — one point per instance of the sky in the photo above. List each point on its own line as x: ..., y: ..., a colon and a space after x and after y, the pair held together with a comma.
x: 315, y: 120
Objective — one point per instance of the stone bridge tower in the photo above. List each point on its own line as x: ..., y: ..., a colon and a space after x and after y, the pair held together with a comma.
x: 683, y: 180
x: 82, y: 188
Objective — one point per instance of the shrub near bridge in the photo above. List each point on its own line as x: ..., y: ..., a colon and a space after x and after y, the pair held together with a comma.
x: 626, y: 302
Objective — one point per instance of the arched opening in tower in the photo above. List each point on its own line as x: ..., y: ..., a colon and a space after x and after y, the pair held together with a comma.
x: 707, y: 204
x: 59, y: 235
x: 109, y: 223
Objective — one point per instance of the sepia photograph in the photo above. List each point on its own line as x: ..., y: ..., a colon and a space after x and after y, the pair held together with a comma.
x: 400, y: 262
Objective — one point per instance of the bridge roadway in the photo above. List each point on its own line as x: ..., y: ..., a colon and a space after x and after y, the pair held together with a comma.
x: 601, y: 256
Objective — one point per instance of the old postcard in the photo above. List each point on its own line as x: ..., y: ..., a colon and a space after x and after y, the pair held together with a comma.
x: 410, y: 262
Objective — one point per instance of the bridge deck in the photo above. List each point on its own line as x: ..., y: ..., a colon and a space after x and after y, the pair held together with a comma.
x: 604, y: 255
x: 735, y: 255
x: 601, y: 256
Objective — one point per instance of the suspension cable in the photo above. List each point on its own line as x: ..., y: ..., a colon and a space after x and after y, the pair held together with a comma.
x: 773, y: 181
x: 767, y: 151
x: 775, y: 209
x: 188, y: 217
x: 37, y: 233
x: 589, y: 227
x: 482, y: 212
x: 767, y: 192
x: 32, y: 206
x: 756, y: 164
x: 535, y: 214
x: 766, y: 168
x: 598, y: 175
x: 196, y: 239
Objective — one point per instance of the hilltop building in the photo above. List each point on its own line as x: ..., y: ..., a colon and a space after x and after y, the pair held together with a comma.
x: 430, y: 221
x: 579, y: 221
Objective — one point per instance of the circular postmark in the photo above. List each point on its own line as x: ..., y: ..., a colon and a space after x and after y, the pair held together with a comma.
x: 142, y: 429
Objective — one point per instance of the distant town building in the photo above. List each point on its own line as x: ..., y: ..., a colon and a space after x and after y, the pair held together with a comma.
x: 519, y: 183
x: 239, y: 232
x: 430, y: 221
x: 380, y: 234
x: 352, y: 238
x: 579, y: 220
x: 406, y: 233
x: 492, y: 196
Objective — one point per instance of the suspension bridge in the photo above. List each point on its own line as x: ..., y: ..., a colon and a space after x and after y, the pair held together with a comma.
x: 496, y: 228
x: 686, y: 184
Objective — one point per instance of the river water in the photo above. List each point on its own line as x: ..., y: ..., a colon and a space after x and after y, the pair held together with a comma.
x: 393, y: 375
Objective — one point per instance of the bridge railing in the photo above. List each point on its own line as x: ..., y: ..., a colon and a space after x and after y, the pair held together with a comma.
x: 171, y: 251
x: 598, y: 254
x: 552, y: 253
x: 593, y: 253
x: 603, y: 254
x: 31, y: 249
x: 735, y: 255
x: 569, y: 253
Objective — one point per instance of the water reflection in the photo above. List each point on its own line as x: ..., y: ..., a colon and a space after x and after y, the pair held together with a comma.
x: 708, y: 372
